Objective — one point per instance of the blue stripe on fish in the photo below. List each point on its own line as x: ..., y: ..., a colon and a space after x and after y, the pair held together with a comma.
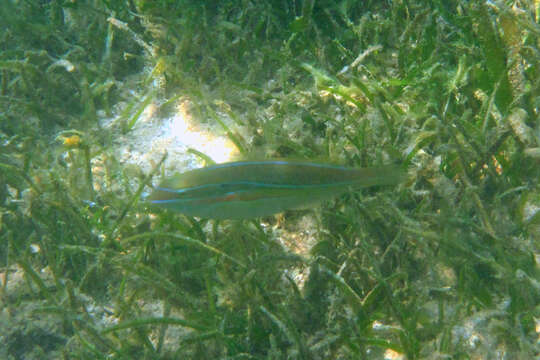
x: 249, y: 189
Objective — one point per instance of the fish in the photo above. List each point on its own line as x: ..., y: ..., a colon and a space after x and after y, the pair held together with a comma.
x: 251, y: 189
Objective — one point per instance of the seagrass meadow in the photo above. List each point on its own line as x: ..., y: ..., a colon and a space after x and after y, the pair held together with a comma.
x: 442, y: 265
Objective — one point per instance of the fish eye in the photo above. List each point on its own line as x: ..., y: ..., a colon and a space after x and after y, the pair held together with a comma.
x: 224, y: 186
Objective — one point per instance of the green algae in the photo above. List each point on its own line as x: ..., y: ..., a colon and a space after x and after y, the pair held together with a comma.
x: 444, y: 266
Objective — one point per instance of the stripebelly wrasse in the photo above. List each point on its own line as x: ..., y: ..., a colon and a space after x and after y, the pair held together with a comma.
x: 249, y: 189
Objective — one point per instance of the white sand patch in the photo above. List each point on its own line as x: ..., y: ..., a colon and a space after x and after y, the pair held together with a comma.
x: 151, y: 137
